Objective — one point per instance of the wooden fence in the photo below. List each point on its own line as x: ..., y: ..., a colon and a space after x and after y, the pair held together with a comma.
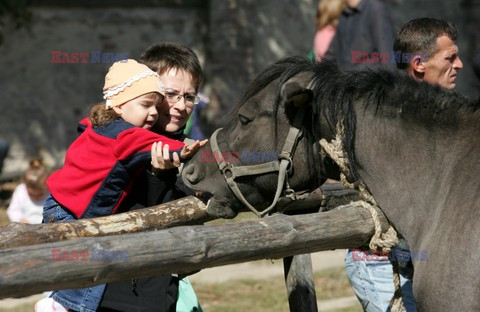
x: 30, y: 269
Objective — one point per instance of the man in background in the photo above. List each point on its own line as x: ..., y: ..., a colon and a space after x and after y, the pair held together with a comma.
x: 365, y: 27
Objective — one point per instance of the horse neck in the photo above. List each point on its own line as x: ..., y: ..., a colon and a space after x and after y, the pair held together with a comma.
x: 414, y: 172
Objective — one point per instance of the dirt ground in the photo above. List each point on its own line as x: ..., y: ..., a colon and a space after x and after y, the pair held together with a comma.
x: 257, y: 269
x: 265, y: 269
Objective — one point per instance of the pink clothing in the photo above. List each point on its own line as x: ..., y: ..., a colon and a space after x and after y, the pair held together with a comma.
x: 322, y: 40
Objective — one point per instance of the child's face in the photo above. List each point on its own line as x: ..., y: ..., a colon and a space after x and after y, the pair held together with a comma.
x: 37, y: 194
x: 141, y: 111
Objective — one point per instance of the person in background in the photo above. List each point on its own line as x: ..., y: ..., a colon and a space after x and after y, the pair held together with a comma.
x: 476, y: 64
x: 364, y: 27
x: 372, y: 280
x: 326, y: 21
x: 26, y: 205
x: 435, y: 53
x: 4, y: 147
x: 195, y: 125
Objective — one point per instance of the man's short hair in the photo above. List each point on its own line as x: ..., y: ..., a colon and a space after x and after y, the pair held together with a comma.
x: 164, y: 56
x: 420, y: 36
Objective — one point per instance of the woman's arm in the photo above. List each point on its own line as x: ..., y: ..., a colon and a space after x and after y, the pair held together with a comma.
x: 160, y: 186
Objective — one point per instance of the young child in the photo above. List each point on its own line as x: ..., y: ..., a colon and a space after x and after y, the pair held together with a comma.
x: 104, y: 160
x: 26, y: 205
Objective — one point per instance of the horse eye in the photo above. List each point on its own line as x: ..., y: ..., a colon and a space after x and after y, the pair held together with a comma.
x: 243, y: 120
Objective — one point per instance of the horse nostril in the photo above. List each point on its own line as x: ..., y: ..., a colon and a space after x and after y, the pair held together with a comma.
x: 190, y: 174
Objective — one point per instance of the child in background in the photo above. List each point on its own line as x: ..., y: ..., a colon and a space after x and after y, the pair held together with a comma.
x: 26, y: 205
x: 326, y: 21
x: 102, y: 163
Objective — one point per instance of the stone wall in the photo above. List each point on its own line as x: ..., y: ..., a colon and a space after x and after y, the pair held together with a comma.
x: 41, y: 101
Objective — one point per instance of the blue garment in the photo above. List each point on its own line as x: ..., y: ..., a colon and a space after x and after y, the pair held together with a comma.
x: 193, y: 128
x: 368, y: 28
x: 372, y: 282
x: 81, y: 299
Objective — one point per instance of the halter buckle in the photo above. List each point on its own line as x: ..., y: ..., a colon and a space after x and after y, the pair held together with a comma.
x: 227, y: 169
x: 290, y: 193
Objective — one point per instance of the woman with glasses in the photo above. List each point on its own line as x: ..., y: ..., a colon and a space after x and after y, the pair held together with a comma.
x: 181, y: 74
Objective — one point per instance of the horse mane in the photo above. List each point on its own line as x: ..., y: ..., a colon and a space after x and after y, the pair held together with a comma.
x: 390, y: 95
x: 393, y: 95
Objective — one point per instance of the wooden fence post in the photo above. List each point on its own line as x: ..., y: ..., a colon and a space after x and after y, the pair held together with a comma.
x: 300, y: 285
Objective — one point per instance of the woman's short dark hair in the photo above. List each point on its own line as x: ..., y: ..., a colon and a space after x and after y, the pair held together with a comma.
x: 161, y: 57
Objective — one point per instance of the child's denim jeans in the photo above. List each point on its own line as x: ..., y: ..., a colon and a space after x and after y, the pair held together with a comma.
x: 82, y: 299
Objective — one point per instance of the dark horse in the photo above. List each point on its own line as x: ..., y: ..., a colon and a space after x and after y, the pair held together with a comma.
x: 415, y: 146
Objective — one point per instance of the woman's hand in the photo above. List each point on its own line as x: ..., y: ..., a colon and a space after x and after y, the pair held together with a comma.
x: 161, y: 158
x: 190, y: 150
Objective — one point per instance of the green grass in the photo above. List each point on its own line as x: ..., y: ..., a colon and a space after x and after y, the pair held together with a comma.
x: 268, y: 295
x: 24, y: 305
x: 22, y: 308
x: 3, y: 217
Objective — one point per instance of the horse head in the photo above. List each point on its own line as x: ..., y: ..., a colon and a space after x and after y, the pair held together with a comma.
x: 268, y: 149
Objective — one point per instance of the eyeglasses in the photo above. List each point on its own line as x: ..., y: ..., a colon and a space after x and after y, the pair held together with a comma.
x: 174, y: 97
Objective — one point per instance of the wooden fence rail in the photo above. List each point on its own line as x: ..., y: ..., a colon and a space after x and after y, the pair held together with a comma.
x: 186, y: 211
x: 94, y: 260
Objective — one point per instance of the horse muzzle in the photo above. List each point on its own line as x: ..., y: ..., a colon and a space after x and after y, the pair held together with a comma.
x: 192, y: 174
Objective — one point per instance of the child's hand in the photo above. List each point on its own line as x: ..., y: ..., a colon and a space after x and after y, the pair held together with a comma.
x: 190, y: 150
x: 161, y: 158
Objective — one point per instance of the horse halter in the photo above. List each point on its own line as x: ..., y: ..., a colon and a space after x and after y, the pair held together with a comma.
x: 230, y: 172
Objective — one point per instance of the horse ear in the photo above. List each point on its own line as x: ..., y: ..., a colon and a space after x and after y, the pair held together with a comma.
x: 295, y: 91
